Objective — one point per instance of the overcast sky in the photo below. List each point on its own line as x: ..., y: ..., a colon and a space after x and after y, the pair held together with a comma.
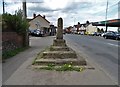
x: 72, y: 11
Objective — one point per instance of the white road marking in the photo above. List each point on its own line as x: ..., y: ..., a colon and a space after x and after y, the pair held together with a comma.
x: 113, y: 44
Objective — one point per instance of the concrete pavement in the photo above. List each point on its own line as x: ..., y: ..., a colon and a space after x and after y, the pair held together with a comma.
x: 25, y: 75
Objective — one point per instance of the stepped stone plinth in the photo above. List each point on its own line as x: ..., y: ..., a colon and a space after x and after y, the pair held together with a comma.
x: 59, y: 53
x: 61, y: 48
x: 59, y: 42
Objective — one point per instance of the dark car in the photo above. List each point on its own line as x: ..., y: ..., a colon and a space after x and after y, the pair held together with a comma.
x: 96, y: 34
x: 112, y: 35
x: 36, y: 32
x: 31, y: 32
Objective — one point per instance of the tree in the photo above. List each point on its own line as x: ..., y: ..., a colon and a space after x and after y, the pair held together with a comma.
x: 98, y: 30
x: 78, y: 26
x: 87, y: 22
x: 15, y: 23
x: 102, y: 31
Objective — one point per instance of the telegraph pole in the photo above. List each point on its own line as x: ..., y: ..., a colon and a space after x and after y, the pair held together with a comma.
x: 26, y: 37
x: 106, y: 17
x: 24, y: 9
x: 3, y: 7
x: 119, y: 14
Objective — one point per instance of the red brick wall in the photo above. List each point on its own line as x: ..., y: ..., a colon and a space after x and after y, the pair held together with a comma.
x: 12, y: 36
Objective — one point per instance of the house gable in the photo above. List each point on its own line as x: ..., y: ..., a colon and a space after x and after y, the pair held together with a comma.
x: 38, y: 22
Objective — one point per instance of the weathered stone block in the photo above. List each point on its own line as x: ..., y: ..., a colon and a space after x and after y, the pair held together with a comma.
x: 60, y: 61
x: 59, y: 48
x: 59, y: 54
x: 59, y: 42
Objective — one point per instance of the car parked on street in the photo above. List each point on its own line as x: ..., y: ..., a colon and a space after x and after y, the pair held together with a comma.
x: 96, y: 34
x: 36, y: 32
x: 103, y: 34
x: 112, y: 35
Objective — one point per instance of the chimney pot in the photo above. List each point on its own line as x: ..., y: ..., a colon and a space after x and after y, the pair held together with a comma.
x: 34, y: 15
x: 43, y: 16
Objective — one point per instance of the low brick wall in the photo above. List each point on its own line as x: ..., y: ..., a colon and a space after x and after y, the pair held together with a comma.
x: 11, y: 41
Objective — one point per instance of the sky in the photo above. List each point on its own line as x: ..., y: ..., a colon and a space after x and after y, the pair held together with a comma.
x: 72, y: 11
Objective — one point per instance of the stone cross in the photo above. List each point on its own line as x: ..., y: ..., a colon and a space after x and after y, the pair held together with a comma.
x: 59, y: 29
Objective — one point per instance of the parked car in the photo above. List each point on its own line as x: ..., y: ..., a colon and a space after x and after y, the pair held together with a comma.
x: 112, y: 35
x: 82, y: 33
x: 31, y: 32
x: 36, y: 32
x: 117, y: 36
x: 103, y: 34
x: 96, y: 34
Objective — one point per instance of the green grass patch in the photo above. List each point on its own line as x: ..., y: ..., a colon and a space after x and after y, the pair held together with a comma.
x: 12, y: 53
x: 65, y: 67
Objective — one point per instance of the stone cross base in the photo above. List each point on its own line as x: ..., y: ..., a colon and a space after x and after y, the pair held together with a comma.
x: 59, y: 42
x: 59, y: 53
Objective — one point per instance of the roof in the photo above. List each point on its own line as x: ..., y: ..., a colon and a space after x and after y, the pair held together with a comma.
x: 110, y: 23
x: 29, y: 20
x: 84, y: 25
x: 36, y: 17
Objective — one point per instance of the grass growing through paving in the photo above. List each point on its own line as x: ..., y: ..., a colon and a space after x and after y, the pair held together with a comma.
x: 65, y: 67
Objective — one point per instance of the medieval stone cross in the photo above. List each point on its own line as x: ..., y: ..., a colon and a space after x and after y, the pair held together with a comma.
x: 60, y: 29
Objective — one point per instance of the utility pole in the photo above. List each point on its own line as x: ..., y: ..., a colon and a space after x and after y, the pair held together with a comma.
x: 26, y: 36
x: 119, y: 14
x: 3, y: 7
x: 106, y: 17
x: 24, y: 9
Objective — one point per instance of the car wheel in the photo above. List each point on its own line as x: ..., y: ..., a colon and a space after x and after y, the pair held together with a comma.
x: 105, y: 37
x: 116, y: 38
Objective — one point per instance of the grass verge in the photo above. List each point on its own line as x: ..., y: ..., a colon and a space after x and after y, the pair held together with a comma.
x: 12, y: 53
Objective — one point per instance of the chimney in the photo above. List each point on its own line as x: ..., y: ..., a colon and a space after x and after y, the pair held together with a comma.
x: 34, y: 15
x: 44, y: 16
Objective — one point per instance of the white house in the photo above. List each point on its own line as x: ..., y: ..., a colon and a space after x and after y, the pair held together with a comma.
x: 91, y: 29
x: 38, y: 22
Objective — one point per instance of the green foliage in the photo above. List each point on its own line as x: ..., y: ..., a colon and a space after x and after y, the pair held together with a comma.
x: 65, y: 67
x: 15, y: 22
x: 98, y: 30
x: 12, y: 53
x: 49, y: 67
x: 102, y: 31
x: 69, y: 67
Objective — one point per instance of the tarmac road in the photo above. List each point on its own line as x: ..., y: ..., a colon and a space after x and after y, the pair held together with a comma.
x: 102, y: 51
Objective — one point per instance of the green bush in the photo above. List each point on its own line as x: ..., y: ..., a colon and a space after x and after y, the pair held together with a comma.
x: 12, y: 53
x: 15, y: 22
